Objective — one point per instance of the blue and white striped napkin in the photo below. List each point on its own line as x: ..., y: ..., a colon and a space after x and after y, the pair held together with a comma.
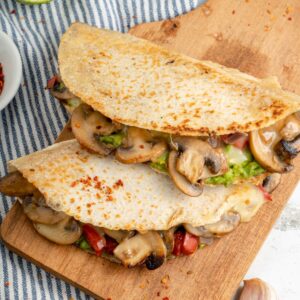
x: 33, y: 119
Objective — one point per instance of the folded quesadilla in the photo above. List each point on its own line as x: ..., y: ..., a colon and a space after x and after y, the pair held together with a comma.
x: 125, y: 213
x: 196, y: 121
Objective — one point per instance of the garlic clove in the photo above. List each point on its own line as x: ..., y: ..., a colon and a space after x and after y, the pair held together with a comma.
x: 257, y: 289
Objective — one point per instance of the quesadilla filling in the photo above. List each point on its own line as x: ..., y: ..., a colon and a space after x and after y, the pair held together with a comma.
x: 131, y: 248
x: 190, y: 162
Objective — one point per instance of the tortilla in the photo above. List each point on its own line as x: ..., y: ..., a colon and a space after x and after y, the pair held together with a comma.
x: 106, y: 193
x: 137, y: 83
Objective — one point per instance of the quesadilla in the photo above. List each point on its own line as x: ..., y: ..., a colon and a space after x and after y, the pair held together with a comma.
x: 125, y: 213
x: 196, y: 121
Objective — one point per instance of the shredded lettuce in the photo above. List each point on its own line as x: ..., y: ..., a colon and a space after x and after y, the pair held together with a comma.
x: 160, y: 163
x: 73, y: 102
x: 115, y: 140
x: 83, y: 244
x: 241, y: 165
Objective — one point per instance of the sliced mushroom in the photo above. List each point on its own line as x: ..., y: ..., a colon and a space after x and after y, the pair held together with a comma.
x: 118, y: 235
x: 291, y: 128
x: 195, y: 155
x: 168, y: 237
x: 262, y: 147
x: 287, y: 150
x: 140, y: 146
x: 227, y: 223
x: 180, y: 180
x: 197, y: 231
x: 274, y: 147
x: 136, y: 249
x: 14, y: 184
x: 88, y: 125
x: 40, y: 213
x: 271, y: 182
x: 66, y: 232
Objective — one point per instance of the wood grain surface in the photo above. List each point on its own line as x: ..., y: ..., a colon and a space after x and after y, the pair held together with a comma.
x: 258, y: 37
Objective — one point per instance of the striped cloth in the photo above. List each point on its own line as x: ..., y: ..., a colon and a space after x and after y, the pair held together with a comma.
x: 33, y: 119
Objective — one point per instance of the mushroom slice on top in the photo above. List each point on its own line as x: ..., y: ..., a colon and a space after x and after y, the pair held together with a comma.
x: 65, y: 232
x: 136, y: 249
x: 180, y: 180
x: 88, y: 125
x: 291, y: 127
x: 38, y: 212
x: 275, y: 146
x: 271, y: 182
x: 195, y: 155
x: 140, y: 146
x: 227, y: 223
x: 287, y: 150
x: 262, y: 143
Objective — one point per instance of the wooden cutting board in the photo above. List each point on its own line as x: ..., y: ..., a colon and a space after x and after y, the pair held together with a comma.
x: 258, y: 37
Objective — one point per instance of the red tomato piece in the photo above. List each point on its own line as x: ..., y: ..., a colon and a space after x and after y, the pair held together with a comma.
x: 51, y: 82
x: 268, y: 196
x: 111, y: 244
x: 239, y: 140
x: 241, y: 143
x: 96, y: 240
x: 178, y: 241
x: 190, y: 243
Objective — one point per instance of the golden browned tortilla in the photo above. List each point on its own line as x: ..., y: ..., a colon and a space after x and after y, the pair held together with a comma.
x: 106, y: 193
x: 138, y: 83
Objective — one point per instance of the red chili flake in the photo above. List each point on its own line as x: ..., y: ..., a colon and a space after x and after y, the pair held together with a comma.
x: 108, y: 190
x: 109, y: 198
x: 1, y: 78
x: 13, y: 12
x: 74, y: 183
x: 165, y: 298
x: 118, y: 183
x: 142, y: 146
x: 7, y: 283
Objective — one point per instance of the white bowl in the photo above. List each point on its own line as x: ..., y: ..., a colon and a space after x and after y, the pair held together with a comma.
x: 12, y: 69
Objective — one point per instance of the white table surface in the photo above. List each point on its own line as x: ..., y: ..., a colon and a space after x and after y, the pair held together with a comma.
x: 278, y: 261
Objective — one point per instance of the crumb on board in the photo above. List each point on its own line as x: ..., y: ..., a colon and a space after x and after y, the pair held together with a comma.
x: 165, y: 280
x: 189, y: 272
x: 206, y: 10
x: 218, y: 36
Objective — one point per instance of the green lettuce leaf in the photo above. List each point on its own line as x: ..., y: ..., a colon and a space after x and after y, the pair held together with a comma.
x: 160, y: 163
x: 115, y: 140
x: 244, y: 170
